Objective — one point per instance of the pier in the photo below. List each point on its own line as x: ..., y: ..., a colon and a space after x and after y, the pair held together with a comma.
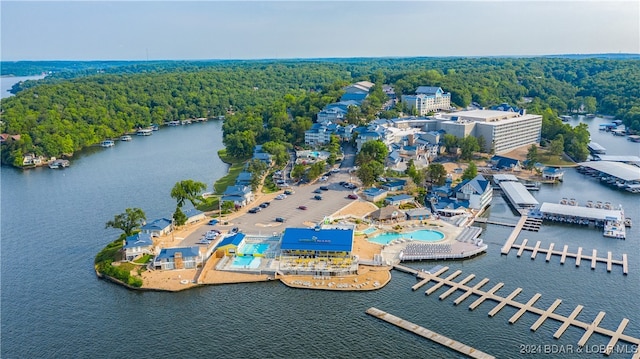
x: 514, y: 235
x: 426, y: 333
x: 544, y: 314
x: 564, y: 253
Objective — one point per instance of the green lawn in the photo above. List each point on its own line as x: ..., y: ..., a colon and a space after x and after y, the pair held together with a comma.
x: 230, y: 178
x: 553, y: 160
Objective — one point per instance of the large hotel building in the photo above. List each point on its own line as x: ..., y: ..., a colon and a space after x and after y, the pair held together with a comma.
x: 502, y: 131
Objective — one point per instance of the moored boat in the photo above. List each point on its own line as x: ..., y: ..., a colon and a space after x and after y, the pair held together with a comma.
x: 107, y: 143
x: 125, y: 138
x: 55, y: 164
x: 144, y: 132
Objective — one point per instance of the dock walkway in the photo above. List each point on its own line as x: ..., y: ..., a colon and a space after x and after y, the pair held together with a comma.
x: 426, y: 333
x: 579, y: 256
x: 567, y: 321
x: 514, y: 235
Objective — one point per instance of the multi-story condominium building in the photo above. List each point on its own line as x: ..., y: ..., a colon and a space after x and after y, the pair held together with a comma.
x: 319, y: 134
x: 428, y: 99
x: 502, y: 131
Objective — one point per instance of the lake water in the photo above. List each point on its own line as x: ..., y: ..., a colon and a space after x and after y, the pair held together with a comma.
x: 6, y: 82
x: 53, y: 306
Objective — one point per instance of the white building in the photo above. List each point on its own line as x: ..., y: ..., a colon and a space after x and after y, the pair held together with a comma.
x: 502, y: 131
x: 428, y: 99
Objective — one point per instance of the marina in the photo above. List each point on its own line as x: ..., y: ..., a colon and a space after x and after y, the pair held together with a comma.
x: 596, y: 148
x: 616, y: 174
x: 612, y: 220
x: 564, y: 253
x: 426, y: 333
x: 544, y: 314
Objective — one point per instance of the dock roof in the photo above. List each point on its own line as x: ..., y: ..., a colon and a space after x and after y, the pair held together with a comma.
x: 310, y: 239
x: 617, y: 169
x: 616, y: 158
x: 579, y: 211
x: 518, y: 194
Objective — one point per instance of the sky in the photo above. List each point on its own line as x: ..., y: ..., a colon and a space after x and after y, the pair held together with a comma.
x: 179, y: 30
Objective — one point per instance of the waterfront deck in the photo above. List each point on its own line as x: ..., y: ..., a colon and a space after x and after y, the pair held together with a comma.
x: 564, y: 253
x: 426, y: 333
x: 544, y: 314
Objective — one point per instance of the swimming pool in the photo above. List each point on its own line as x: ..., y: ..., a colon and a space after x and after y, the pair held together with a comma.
x: 246, y: 262
x: 254, y: 249
x: 423, y: 235
x: 369, y: 230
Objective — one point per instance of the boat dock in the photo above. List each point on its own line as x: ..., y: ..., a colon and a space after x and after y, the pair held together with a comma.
x: 488, y: 221
x: 544, y: 314
x: 596, y: 148
x: 611, y: 219
x: 579, y: 256
x: 426, y: 333
x: 514, y: 235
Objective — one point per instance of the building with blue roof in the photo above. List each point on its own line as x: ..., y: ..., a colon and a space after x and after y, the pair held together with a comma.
x: 374, y: 194
x: 477, y: 191
x: 505, y: 163
x: 399, y: 199
x: 394, y: 185
x: 178, y: 258
x: 238, y: 194
x: 136, y: 245
x: 158, y: 227
x: 244, y: 178
x: 317, y: 242
x: 193, y: 215
x: 229, y: 244
x: 553, y: 173
x: 428, y: 99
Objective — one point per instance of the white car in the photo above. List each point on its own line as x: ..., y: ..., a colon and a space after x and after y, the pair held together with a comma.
x: 281, y: 196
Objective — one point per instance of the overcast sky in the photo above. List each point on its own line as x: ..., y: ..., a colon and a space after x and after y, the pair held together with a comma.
x: 127, y: 30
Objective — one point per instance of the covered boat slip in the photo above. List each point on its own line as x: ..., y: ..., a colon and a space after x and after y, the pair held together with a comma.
x: 518, y: 195
x: 611, y: 219
x: 622, y: 171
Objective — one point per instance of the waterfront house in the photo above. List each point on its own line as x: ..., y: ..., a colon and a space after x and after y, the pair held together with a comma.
x: 505, y: 163
x: 244, y: 178
x: 136, y: 245
x: 229, y: 245
x: 193, y: 215
x: 477, y: 191
x: 374, y: 194
x: 399, y: 199
x: 553, y: 173
x: 158, y: 227
x: 238, y: 194
x: 178, y: 258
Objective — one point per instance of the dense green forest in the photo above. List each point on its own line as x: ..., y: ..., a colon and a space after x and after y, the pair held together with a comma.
x: 275, y: 101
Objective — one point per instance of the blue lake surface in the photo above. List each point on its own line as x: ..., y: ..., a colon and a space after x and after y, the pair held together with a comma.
x: 53, y: 306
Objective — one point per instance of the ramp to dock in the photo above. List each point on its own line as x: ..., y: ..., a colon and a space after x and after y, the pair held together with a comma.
x: 426, y: 333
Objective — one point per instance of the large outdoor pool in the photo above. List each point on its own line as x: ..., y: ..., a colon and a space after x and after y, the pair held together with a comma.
x: 424, y: 235
x: 246, y: 262
x: 253, y: 249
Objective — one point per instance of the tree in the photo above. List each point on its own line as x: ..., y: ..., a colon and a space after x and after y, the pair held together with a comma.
x: 131, y: 219
x: 372, y: 151
x: 298, y: 171
x: 187, y: 190
x: 468, y: 146
x: 316, y: 170
x: 179, y: 217
x: 437, y: 173
x: 368, y: 172
x: 450, y: 141
x: 532, y: 156
x: 556, y: 147
x: 470, y: 172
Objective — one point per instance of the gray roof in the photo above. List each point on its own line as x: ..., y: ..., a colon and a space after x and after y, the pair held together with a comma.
x: 617, y: 169
x: 613, y: 158
x: 518, y: 193
x: 427, y: 89
x: 578, y: 211
x: 504, y: 177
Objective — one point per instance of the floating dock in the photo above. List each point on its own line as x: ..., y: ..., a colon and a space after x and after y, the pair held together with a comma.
x: 611, y: 219
x: 514, y: 235
x: 579, y: 256
x: 426, y: 333
x: 544, y: 314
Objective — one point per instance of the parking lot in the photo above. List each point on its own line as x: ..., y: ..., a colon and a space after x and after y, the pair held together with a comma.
x: 332, y: 200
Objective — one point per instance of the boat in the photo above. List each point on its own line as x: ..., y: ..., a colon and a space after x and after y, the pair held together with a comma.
x: 627, y: 222
x: 144, y: 132
x: 573, y: 202
x: 154, y: 127
x: 55, y: 164
x: 173, y: 123
x: 563, y: 200
x: 125, y: 138
x: 565, y: 118
x: 107, y: 143
x: 590, y: 115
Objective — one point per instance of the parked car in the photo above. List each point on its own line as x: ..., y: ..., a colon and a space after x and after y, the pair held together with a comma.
x: 318, y: 197
x: 324, y: 188
x: 265, y: 204
x: 304, y: 208
x: 280, y: 219
x: 255, y: 210
x: 317, y: 190
x: 234, y: 230
x: 210, y: 235
x: 213, y: 222
x: 352, y: 196
x: 281, y: 196
x: 288, y: 192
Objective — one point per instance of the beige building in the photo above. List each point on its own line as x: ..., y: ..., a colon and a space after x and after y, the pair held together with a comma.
x: 502, y: 131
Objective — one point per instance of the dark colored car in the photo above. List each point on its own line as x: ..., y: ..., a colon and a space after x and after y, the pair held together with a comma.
x: 324, y: 188
x: 234, y: 230
x: 213, y: 222
x: 265, y: 204
x: 317, y: 190
x: 304, y: 208
x: 280, y: 219
x: 352, y: 196
x: 318, y: 197
x: 288, y: 192
x: 255, y: 210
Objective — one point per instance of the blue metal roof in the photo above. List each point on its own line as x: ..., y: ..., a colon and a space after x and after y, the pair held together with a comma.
x: 374, y: 191
x: 399, y: 197
x: 138, y: 240
x: 233, y: 239
x: 157, y: 224
x: 192, y: 212
x: 308, y: 239
x: 169, y: 253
